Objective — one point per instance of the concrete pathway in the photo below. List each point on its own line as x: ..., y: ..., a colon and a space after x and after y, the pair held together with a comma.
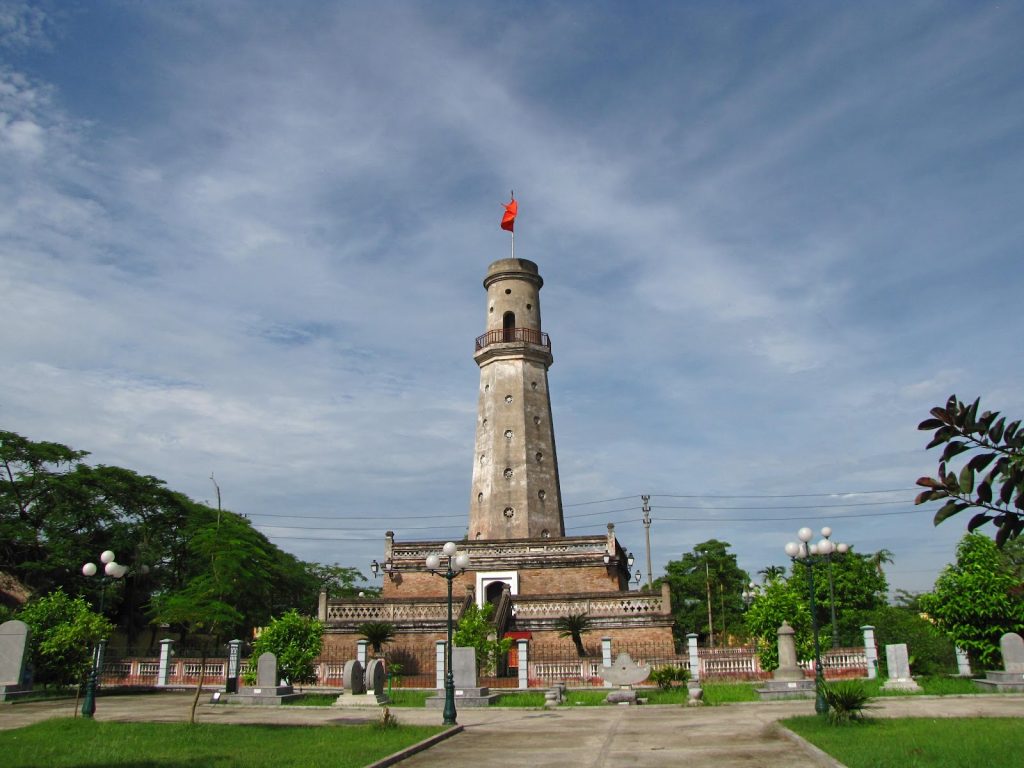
x: 591, y: 737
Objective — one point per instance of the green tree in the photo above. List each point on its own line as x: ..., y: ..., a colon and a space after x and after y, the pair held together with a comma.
x: 707, y: 575
x: 339, y: 580
x: 476, y: 631
x: 931, y: 652
x: 990, y: 456
x: 574, y: 625
x: 296, y: 641
x: 64, y: 631
x: 977, y: 600
x: 780, y: 600
x: 377, y: 633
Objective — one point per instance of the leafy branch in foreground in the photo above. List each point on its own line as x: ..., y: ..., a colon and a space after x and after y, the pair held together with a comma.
x: 991, y: 477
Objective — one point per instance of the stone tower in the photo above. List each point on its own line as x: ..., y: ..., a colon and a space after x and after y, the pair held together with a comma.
x: 515, y: 491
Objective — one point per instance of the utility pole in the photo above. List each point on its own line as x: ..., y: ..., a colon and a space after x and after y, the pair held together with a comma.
x: 647, y: 531
x: 707, y: 582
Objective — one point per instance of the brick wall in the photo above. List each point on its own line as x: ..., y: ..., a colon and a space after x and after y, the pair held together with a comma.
x: 532, y: 581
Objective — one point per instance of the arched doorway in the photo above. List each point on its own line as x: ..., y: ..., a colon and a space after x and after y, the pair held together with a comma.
x: 492, y: 592
x: 508, y: 324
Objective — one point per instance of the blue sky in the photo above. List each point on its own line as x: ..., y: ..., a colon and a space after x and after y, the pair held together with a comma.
x: 248, y: 239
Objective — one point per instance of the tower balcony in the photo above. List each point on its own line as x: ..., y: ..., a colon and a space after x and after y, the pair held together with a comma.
x: 512, y: 336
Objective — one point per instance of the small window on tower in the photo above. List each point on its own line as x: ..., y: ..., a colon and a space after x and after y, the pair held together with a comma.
x: 509, y: 512
x: 536, y: 420
x: 508, y: 434
x: 508, y: 291
x: 542, y: 495
x: 539, y: 456
x: 508, y: 399
x: 545, y: 534
x: 529, y: 306
x: 508, y: 473
x: 479, y: 498
x: 533, y: 385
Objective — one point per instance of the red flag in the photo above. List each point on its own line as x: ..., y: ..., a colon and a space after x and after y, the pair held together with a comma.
x: 508, y: 221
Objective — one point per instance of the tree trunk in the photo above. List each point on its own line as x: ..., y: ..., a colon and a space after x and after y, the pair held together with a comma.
x: 199, y: 688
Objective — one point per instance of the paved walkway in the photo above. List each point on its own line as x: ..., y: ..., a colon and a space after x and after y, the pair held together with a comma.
x: 590, y: 737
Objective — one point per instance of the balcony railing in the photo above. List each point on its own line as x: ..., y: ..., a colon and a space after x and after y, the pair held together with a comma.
x: 512, y: 335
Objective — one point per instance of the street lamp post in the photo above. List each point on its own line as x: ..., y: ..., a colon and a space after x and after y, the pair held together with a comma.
x: 810, y: 554
x: 112, y: 570
x: 841, y: 549
x: 461, y: 561
x: 748, y: 596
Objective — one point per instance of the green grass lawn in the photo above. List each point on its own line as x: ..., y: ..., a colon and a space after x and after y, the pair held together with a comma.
x: 917, y: 742
x: 729, y: 693
x: 400, y: 697
x: 82, y: 743
x: 525, y: 699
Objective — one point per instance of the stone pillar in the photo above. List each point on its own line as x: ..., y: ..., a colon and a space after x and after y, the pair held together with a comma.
x: 870, y: 651
x: 691, y: 645
x: 788, y: 668
x: 524, y: 659
x: 963, y: 663
x: 234, y: 663
x: 361, y: 647
x: 164, y: 670
x: 439, y: 664
x: 321, y: 606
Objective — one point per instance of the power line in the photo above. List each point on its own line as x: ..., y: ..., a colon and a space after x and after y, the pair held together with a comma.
x: 793, y: 506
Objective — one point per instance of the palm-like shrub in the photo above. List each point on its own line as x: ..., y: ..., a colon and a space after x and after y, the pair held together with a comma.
x: 376, y: 633
x: 847, y: 701
x: 575, y: 625
x: 664, y: 677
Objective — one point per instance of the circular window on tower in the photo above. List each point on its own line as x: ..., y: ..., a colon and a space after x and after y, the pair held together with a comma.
x: 508, y: 473
x: 536, y: 420
x: 533, y: 385
x: 508, y: 291
x: 529, y: 306
x: 482, y: 458
x: 483, y: 422
x: 509, y: 512
x: 545, y: 534
x: 508, y: 434
x: 487, y: 387
x: 542, y: 495
x: 479, y: 498
x: 508, y: 399
x: 539, y: 456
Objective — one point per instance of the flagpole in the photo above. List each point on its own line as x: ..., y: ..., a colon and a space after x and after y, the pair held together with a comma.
x: 513, y: 245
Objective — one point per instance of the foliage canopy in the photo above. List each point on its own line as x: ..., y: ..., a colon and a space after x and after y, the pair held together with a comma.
x: 990, y: 455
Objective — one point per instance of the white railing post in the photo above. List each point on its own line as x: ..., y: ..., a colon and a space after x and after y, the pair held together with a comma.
x: 163, y: 671
x: 524, y: 660
x: 361, y: 646
x: 439, y: 664
x: 691, y: 646
x: 870, y: 651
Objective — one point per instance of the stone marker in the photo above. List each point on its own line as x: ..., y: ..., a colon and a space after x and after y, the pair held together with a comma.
x: 467, y: 692
x: 464, y: 667
x: 624, y: 673
x: 352, y: 677
x: 788, y: 680
x: 1011, y: 677
x: 897, y: 661
x: 267, y: 689
x: 266, y: 671
x: 14, y: 637
x: 1012, y: 647
x: 788, y: 668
